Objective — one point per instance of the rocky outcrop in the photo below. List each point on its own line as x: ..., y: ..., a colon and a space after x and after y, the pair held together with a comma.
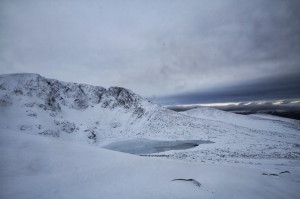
x: 52, y: 94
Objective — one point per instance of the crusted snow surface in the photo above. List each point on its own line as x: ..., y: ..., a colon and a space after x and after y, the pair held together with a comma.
x: 33, y: 166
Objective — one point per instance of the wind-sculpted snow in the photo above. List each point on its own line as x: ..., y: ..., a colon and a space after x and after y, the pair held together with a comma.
x: 30, y: 103
x: 38, y: 167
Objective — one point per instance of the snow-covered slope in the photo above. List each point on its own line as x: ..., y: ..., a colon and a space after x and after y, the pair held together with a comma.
x: 37, y: 167
x: 254, y: 121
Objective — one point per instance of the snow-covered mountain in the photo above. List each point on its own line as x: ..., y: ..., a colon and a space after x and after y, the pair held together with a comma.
x: 83, y: 113
x: 59, y: 109
x: 34, y: 104
x: 70, y: 124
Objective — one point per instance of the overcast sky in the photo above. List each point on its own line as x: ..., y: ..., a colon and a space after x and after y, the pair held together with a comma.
x: 160, y: 49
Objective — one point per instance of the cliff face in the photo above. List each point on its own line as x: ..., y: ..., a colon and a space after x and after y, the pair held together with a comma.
x: 72, y: 95
x: 34, y: 104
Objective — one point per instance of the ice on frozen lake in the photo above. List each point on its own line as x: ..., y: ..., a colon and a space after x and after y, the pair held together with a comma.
x: 146, y: 146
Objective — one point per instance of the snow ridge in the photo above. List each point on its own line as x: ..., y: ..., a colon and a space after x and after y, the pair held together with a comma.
x: 72, y: 95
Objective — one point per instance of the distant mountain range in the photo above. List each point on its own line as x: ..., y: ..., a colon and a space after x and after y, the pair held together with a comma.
x: 277, y: 110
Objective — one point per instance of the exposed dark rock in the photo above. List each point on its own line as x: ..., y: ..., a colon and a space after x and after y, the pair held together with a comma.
x: 51, y: 133
x: 270, y: 174
x: 2, y: 87
x: 5, y: 100
x: 18, y: 91
x: 67, y: 126
x: 91, y: 134
x: 284, y: 172
x: 195, y: 182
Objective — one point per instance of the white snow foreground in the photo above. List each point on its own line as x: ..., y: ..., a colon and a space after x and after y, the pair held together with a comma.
x: 51, y: 133
x: 38, y: 167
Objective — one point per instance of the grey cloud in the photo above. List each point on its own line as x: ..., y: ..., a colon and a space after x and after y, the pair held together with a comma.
x: 280, y: 87
x: 155, y: 48
x: 251, y: 108
x: 260, y: 107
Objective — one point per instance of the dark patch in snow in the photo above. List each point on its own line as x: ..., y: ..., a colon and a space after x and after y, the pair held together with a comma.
x: 195, y: 182
x: 269, y: 174
x: 5, y: 100
x: 50, y: 133
x: 284, y: 172
x: 275, y: 174
x: 91, y: 135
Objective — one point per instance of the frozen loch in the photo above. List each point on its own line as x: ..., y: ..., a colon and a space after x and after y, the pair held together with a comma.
x: 141, y: 146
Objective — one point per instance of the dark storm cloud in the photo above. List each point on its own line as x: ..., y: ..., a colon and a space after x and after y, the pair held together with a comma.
x: 155, y: 48
x: 280, y: 87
